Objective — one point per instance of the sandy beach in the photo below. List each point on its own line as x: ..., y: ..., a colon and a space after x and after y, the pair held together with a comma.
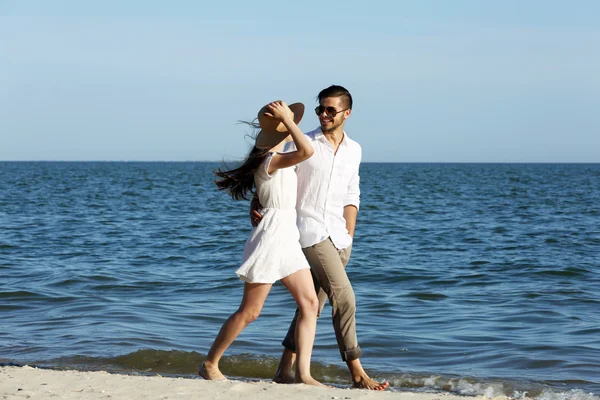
x: 27, y: 382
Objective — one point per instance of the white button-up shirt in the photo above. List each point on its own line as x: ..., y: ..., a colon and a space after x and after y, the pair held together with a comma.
x: 327, y: 182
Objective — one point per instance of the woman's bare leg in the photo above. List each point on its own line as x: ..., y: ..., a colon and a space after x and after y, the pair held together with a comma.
x: 301, y: 286
x: 253, y: 300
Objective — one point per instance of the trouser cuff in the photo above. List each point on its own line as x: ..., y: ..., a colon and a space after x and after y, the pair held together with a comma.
x: 352, y: 354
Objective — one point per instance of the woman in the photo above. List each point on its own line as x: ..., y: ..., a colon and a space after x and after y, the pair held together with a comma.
x: 272, y: 252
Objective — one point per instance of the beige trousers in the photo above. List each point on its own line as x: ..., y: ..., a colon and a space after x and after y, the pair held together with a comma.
x: 328, y: 269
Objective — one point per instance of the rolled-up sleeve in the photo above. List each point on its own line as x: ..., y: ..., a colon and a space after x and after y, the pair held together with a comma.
x: 353, y: 193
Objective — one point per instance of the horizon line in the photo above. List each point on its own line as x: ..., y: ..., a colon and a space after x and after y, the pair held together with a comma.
x: 363, y: 162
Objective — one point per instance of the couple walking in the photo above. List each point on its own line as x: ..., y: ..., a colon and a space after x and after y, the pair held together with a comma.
x: 307, y: 191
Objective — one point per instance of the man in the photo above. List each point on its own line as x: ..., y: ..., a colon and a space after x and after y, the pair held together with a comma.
x: 327, y: 206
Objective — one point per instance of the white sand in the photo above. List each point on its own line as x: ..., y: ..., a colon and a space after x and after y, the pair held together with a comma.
x: 32, y: 383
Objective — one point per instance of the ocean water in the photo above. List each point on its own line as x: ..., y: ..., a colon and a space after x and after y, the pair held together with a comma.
x: 469, y: 278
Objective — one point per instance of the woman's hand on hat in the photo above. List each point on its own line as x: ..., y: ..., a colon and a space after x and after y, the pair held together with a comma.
x: 278, y: 110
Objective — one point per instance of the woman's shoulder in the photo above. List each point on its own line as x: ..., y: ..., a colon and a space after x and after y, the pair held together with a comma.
x: 263, y: 170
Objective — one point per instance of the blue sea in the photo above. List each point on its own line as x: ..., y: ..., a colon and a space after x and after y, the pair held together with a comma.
x: 477, y: 279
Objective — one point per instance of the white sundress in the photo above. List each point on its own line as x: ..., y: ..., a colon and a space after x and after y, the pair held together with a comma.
x: 273, y: 250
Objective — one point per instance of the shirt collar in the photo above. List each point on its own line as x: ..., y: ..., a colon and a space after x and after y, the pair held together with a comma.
x: 321, y: 136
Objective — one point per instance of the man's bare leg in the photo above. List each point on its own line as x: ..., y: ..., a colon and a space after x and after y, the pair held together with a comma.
x: 360, y: 379
x: 285, y: 370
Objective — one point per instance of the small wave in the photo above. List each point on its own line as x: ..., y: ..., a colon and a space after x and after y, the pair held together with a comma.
x: 20, y: 294
x: 428, y: 296
x: 178, y: 362
x: 174, y: 258
x: 574, y: 394
x: 472, y: 240
x: 194, y: 226
x: 102, y: 278
x: 65, y: 283
x: 469, y: 386
x: 566, y: 272
x: 532, y: 295
x: 13, y: 307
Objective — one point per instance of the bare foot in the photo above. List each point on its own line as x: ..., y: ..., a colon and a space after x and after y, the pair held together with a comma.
x: 310, y: 381
x: 282, y: 377
x: 211, y: 372
x: 284, y: 372
x: 367, y: 383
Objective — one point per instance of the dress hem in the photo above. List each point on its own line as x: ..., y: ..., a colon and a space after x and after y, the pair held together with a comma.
x: 247, y: 280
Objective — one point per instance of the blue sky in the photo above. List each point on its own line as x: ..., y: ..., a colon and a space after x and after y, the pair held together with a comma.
x: 433, y: 81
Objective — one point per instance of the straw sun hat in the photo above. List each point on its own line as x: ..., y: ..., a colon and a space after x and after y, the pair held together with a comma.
x: 273, y: 131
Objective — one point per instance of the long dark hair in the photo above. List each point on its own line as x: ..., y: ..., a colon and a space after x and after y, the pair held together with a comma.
x: 239, y: 182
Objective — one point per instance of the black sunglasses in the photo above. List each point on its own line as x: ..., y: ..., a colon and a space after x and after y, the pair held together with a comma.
x: 329, y: 111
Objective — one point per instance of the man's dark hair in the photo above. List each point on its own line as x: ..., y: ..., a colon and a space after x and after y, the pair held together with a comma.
x: 337, y: 91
